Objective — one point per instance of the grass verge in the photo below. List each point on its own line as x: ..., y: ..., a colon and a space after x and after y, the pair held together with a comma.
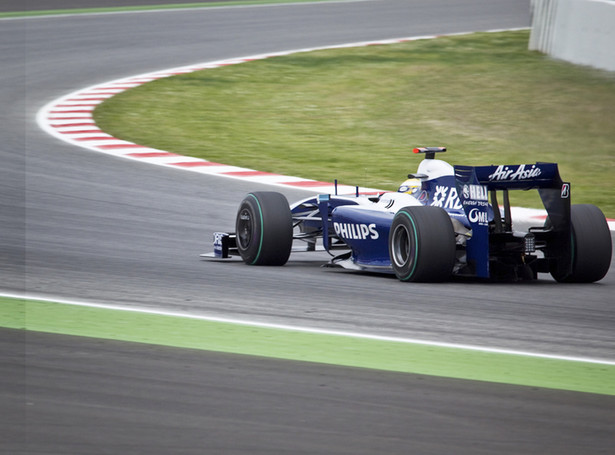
x: 184, y: 332
x: 119, y: 9
x: 354, y: 114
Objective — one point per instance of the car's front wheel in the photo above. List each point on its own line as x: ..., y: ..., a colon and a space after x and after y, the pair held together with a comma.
x: 264, y: 229
x: 422, y: 244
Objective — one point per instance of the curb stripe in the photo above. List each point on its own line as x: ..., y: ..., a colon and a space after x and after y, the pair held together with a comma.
x: 248, y: 173
x: 151, y: 154
x: 71, y: 111
x: 123, y: 146
x: 194, y: 164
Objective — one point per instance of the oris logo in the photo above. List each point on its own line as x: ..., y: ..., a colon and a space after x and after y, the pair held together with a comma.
x: 477, y: 216
x: 356, y: 231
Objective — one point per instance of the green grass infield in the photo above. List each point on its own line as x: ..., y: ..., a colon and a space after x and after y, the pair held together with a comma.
x: 342, y: 350
x: 354, y: 114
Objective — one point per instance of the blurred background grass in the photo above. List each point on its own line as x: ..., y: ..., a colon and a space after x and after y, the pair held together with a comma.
x: 355, y: 114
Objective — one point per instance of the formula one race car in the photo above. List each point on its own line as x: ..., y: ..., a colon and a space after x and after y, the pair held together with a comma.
x: 444, y: 221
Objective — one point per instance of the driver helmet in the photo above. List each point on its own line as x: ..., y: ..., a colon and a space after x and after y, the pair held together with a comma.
x: 410, y: 186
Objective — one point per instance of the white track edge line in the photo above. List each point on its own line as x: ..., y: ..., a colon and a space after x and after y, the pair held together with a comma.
x: 312, y: 330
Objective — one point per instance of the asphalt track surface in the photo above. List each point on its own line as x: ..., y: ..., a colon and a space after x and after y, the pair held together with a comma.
x: 86, y: 226
x: 46, y: 5
x: 100, y: 396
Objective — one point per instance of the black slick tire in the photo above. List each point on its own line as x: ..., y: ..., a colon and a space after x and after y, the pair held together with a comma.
x: 591, y: 245
x: 422, y: 244
x: 264, y: 229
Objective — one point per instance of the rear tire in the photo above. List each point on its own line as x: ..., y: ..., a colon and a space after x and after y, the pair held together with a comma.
x: 422, y: 244
x: 264, y: 228
x: 591, y: 245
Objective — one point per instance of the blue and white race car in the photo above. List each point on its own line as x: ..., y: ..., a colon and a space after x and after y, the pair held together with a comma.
x: 444, y: 221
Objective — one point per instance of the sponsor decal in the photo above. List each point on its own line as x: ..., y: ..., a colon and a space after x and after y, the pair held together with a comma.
x: 471, y: 203
x: 218, y: 236
x: 475, y: 192
x: 466, y: 191
x: 446, y: 197
x: 514, y: 173
x: 356, y: 231
x: 565, y: 191
x: 478, y: 216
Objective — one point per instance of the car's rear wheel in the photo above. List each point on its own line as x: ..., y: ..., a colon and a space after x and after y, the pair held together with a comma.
x: 264, y: 229
x: 591, y: 246
x: 422, y: 244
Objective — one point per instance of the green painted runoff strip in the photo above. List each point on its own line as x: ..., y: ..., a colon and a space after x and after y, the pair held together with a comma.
x: 185, y: 332
x: 116, y: 9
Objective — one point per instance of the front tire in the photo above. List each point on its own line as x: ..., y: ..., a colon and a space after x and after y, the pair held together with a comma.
x: 591, y: 245
x: 422, y: 244
x: 264, y: 229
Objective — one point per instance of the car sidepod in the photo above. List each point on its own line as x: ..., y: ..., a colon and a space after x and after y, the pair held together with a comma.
x: 366, y: 233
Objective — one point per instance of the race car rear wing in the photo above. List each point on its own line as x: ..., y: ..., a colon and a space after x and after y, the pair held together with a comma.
x: 516, y: 176
x: 477, y: 188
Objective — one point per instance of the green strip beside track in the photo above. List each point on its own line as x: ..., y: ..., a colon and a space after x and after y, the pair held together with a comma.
x: 185, y: 332
x: 121, y: 9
